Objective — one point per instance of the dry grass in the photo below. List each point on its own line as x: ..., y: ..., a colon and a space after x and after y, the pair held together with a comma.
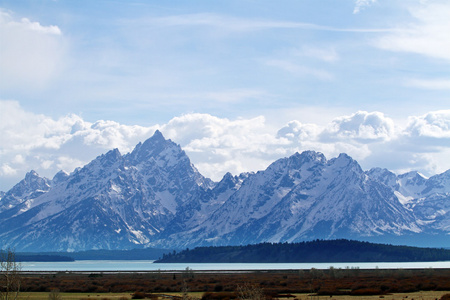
x: 75, y: 296
x: 328, y: 284
x: 426, y: 295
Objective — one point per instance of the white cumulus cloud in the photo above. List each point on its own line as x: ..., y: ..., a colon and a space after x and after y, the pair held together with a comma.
x: 30, y: 141
x: 362, y: 127
x: 31, y: 54
x: 218, y: 145
x: 434, y: 124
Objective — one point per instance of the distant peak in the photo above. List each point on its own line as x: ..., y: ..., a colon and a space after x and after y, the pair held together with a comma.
x: 158, y: 135
x: 346, y: 161
x: 227, y: 178
x: 152, y: 147
x: 412, y: 174
x: 309, y: 156
x: 228, y: 175
x: 155, y: 139
x: 345, y: 156
x: 62, y: 173
x: 60, y: 176
x: 380, y: 172
x: 32, y: 174
x: 314, y: 154
x: 113, y: 154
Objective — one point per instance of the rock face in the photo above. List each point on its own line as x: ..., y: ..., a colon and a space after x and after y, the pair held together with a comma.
x: 114, y: 202
x: 32, y: 186
x: 154, y: 196
x: 304, y: 197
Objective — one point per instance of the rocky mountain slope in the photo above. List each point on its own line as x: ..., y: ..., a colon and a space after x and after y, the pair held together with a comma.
x: 154, y: 196
x: 114, y: 202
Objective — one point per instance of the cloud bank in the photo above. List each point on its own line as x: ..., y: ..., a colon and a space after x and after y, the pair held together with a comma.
x: 218, y: 145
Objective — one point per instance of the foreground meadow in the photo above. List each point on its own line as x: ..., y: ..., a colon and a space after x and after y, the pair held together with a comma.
x: 226, y: 285
x: 424, y: 295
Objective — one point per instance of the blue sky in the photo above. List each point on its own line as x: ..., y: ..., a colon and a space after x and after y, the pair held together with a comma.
x: 237, y: 84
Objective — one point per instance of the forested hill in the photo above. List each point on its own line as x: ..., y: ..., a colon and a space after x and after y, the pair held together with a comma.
x: 314, y: 251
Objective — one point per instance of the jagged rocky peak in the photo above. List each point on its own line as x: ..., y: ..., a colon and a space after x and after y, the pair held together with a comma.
x: 33, y: 181
x: 153, y: 147
x: 30, y: 187
x: 413, y: 177
x: 110, y: 157
x: 103, y: 161
x: 442, y: 179
x: 30, y: 175
x: 345, y: 161
x: 228, y: 178
x: 384, y: 176
x: 60, y: 176
x: 228, y: 182
x: 411, y: 183
x: 155, y: 196
x: 380, y: 173
x: 297, y: 161
x: 439, y: 183
x: 312, y: 156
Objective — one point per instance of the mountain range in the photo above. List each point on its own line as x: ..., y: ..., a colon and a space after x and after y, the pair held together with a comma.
x: 155, y: 197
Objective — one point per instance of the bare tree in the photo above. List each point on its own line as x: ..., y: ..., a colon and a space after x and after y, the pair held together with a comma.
x: 185, y: 291
x: 54, y: 295
x: 9, y: 275
x: 250, y: 292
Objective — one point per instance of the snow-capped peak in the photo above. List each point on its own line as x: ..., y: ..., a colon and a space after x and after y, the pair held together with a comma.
x: 154, y: 196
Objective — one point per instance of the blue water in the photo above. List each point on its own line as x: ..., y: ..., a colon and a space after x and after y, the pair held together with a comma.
x: 148, y: 265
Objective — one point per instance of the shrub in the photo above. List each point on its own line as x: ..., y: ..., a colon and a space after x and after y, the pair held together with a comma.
x: 218, y: 296
x: 365, y: 292
x: 138, y: 295
x: 250, y: 292
x: 218, y: 288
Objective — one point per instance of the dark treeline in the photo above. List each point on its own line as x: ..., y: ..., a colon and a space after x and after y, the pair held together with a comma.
x: 134, y: 254
x: 24, y: 257
x: 314, y: 251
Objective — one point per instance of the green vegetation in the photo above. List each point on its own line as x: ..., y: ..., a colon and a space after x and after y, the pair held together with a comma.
x: 314, y: 251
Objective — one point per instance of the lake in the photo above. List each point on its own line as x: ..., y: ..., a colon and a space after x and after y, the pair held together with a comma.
x: 149, y: 265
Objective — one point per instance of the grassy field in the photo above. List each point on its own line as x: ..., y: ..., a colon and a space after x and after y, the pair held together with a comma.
x: 283, y: 284
x: 423, y: 295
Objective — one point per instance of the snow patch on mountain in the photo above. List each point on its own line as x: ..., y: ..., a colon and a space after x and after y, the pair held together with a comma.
x: 154, y: 196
